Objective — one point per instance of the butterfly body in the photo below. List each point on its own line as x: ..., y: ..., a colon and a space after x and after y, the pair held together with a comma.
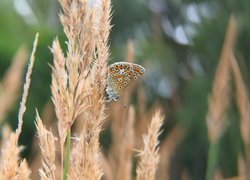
x: 121, y: 76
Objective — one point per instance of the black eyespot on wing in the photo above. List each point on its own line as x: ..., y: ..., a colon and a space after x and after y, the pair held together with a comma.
x: 120, y: 87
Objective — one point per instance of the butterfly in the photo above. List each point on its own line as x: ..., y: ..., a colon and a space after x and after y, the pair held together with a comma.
x: 121, y: 76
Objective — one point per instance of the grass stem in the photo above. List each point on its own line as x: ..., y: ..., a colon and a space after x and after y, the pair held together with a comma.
x: 66, y: 165
x: 212, y: 162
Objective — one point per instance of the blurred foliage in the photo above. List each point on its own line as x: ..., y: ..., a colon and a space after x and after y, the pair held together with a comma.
x: 179, y: 43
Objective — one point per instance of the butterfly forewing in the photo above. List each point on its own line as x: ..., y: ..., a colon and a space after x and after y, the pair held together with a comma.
x: 122, y: 74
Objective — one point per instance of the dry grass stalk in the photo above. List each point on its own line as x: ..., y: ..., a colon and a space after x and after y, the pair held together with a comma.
x: 77, y: 86
x: 242, y: 100
x: 71, y: 85
x: 47, y: 145
x: 26, y: 86
x: 149, y: 156
x: 142, y: 123
x: 49, y: 120
x: 219, y: 99
x: 11, y: 167
x: 107, y: 170
x: 185, y: 175
x: 168, y: 147
x: 242, y: 168
x: 243, y: 104
x: 121, y: 152
x: 11, y: 82
x: 88, y: 165
x: 218, y: 175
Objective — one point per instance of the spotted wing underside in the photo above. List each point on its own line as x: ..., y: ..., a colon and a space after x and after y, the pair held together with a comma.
x: 123, y: 74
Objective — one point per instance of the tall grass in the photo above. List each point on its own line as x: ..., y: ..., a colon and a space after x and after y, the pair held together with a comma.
x: 78, y: 85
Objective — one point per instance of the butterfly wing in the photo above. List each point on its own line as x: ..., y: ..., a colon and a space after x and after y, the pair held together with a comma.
x: 123, y: 74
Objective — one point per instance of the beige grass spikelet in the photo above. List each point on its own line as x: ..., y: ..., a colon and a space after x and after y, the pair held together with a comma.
x: 149, y: 156
x: 47, y: 145
x: 10, y: 160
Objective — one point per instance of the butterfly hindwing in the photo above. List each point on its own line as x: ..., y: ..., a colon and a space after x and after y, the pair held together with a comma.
x: 122, y: 74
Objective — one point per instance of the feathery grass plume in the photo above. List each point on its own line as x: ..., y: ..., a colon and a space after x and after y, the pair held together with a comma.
x: 70, y: 86
x: 149, y: 156
x: 49, y: 119
x: 11, y: 82
x: 219, y: 99
x: 11, y: 166
x: 87, y: 166
x: 47, y: 145
x: 168, y: 148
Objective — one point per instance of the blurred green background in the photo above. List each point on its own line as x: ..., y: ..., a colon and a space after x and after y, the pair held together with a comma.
x: 178, y: 41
